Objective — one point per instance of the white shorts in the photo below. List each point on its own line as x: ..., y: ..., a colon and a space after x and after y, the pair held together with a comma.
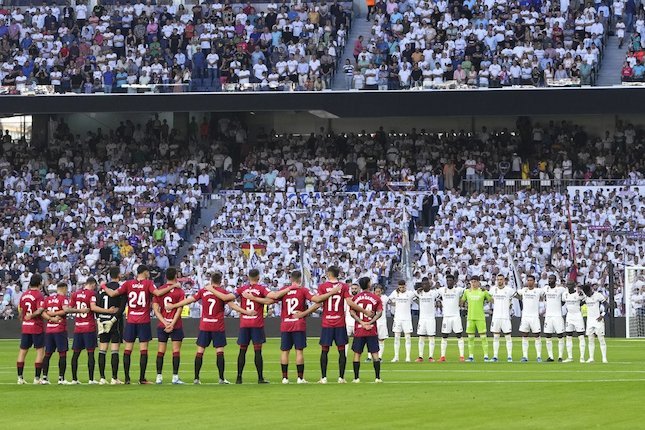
x: 381, y: 328
x: 350, y: 330
x: 596, y: 327
x: 530, y: 324
x: 451, y: 325
x: 427, y: 327
x: 576, y: 324
x: 404, y: 326
x: 553, y: 325
x: 501, y: 325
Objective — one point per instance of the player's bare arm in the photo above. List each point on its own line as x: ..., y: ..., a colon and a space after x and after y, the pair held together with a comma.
x: 161, y: 291
x: 277, y: 295
x: 99, y: 310
x: 186, y: 301
x: 241, y: 310
x: 322, y: 297
x: 357, y: 308
x: 262, y: 300
x: 309, y: 311
x: 225, y: 297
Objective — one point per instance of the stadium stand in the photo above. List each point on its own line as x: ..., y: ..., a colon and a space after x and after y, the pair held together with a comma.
x: 136, y: 193
x: 495, y: 44
x: 137, y: 46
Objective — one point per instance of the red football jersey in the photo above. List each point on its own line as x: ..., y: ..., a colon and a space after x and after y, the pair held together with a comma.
x: 56, y: 303
x: 212, y: 318
x: 173, y: 296
x: 333, y: 314
x: 139, y: 301
x: 294, y: 300
x: 31, y: 301
x: 370, y: 302
x: 84, y: 323
x: 256, y: 321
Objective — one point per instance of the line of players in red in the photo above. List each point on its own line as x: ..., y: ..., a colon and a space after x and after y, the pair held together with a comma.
x: 44, y: 324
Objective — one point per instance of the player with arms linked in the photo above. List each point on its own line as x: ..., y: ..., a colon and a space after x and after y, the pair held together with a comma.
x: 110, y: 328
x: 331, y: 294
x: 56, y: 307
x: 365, y: 330
x: 138, y: 292
x: 293, y: 326
x: 30, y: 309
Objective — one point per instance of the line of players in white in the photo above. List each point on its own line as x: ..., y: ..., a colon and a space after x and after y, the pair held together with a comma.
x: 450, y: 299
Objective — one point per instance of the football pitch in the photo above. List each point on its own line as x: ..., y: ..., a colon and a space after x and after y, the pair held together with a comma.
x: 414, y: 395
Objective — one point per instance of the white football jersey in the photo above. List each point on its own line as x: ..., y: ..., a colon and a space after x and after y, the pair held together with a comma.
x: 427, y: 303
x: 450, y: 300
x: 573, y: 301
x: 502, y: 301
x: 530, y: 302
x: 402, y: 304
x: 554, y: 298
x: 593, y: 305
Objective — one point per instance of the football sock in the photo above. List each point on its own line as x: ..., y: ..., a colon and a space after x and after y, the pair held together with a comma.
x: 525, y: 347
x: 484, y: 341
x: 160, y: 363
x: 581, y: 339
x: 115, y: 364
x: 381, y: 347
x: 259, y: 364
x: 570, y: 347
x: 538, y: 346
x: 460, y: 345
x: 342, y: 363
x: 324, y: 358
x: 220, y: 364
x: 143, y: 363
x: 102, y: 364
x: 397, y: 345
x: 75, y: 356
x: 241, y: 362
x: 285, y: 370
x: 46, y: 364
x: 603, y: 347
x: 357, y: 368
x: 20, y: 365
x: 198, y: 363
x: 549, y: 347
x: 176, y: 359
x: 62, y: 364
x: 592, y: 346
x: 422, y: 345
x: 301, y: 370
x: 495, y: 345
x: 39, y: 368
x: 126, y: 363
x: 431, y: 346
x: 509, y: 345
x: 471, y: 345
x: 408, y: 346
x: 377, y: 368
x: 444, y: 346
x: 90, y: 364
x: 560, y: 347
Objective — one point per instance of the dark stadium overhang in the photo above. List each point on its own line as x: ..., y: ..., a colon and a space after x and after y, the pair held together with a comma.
x: 478, y: 102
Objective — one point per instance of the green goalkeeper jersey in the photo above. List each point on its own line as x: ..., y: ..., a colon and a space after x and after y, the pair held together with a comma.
x: 476, y: 299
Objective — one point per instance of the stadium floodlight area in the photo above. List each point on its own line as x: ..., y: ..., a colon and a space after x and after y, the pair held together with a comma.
x: 635, y: 301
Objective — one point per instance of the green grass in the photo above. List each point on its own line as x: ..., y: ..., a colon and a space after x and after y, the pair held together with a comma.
x: 416, y: 395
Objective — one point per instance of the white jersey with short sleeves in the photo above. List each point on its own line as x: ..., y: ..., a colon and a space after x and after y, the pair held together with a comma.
x: 554, y: 298
x: 593, y: 305
x: 502, y: 302
x: 450, y: 300
x: 573, y: 301
x: 530, y: 302
x: 427, y: 300
x: 402, y: 305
